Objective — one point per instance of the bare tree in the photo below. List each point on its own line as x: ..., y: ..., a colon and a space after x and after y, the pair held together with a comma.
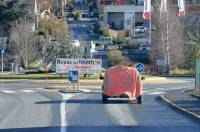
x: 22, y: 42
x: 168, y: 39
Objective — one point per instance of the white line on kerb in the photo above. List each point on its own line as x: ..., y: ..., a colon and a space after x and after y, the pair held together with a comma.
x: 8, y: 91
x: 86, y: 90
x: 63, y: 111
x: 28, y: 91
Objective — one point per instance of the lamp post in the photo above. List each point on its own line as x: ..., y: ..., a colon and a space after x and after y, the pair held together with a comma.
x: 3, y: 47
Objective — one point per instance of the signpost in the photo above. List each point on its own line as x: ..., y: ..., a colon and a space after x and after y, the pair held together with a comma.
x: 197, y: 78
x: 73, y: 78
x: 139, y: 67
x: 76, y: 66
x: 3, y: 47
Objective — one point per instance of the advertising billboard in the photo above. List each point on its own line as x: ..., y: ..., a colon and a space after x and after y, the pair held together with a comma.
x: 81, y: 65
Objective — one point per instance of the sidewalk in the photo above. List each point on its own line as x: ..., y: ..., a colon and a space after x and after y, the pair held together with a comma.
x: 184, y: 102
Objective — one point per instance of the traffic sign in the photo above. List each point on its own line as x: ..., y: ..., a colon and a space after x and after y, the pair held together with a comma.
x: 73, y: 76
x: 139, y: 67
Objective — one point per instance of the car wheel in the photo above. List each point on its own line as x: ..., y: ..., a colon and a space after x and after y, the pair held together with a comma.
x: 139, y: 99
x: 104, y: 98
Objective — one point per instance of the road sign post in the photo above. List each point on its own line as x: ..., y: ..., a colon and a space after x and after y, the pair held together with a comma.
x: 3, y: 47
x: 139, y: 67
x: 73, y: 78
x: 197, y: 77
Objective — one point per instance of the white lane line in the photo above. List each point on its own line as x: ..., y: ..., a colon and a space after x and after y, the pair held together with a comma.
x: 8, y: 91
x: 156, y: 93
x: 63, y: 111
x: 167, y: 88
x: 28, y: 91
x: 119, y: 116
x: 86, y: 90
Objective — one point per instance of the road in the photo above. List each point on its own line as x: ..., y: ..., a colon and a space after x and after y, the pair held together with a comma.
x: 35, y: 109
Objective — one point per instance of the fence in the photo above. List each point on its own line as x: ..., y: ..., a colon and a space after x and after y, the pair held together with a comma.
x: 51, y: 82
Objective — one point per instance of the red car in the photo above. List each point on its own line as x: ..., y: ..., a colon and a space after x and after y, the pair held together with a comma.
x: 122, y: 81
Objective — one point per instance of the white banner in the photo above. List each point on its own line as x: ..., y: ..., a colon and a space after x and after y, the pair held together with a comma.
x: 82, y: 65
x: 163, y: 6
x: 181, y: 5
x: 147, y: 10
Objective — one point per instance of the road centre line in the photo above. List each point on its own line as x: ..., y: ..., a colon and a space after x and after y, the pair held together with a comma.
x: 63, y: 112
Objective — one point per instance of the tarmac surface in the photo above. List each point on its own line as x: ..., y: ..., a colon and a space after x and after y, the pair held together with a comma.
x: 184, y: 101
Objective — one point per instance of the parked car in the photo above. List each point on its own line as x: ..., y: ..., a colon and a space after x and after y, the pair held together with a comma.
x: 145, y: 47
x: 75, y: 43
x: 104, y: 41
x: 147, y: 26
x: 140, y: 29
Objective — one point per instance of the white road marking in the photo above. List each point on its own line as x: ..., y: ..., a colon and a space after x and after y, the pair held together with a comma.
x: 28, y: 91
x: 63, y: 111
x: 156, y: 93
x: 8, y: 91
x: 122, y: 118
x: 167, y: 88
x: 86, y: 90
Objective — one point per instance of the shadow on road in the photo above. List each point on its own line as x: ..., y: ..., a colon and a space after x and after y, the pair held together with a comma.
x: 107, y: 129
x: 87, y: 101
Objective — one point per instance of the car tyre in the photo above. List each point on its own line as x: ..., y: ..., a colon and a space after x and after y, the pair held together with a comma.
x: 139, y: 99
x: 104, y: 98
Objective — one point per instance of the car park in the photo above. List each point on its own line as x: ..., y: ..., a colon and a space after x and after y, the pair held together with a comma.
x: 140, y: 29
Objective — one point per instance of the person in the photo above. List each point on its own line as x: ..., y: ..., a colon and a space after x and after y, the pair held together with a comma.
x: 122, y: 80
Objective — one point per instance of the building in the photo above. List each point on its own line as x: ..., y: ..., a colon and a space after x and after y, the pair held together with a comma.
x: 82, y: 17
x: 121, y: 15
x: 192, y: 6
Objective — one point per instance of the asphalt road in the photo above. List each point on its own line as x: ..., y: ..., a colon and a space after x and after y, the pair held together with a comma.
x: 36, y: 109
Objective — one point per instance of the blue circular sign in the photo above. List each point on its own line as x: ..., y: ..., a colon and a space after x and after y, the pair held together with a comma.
x: 139, y: 67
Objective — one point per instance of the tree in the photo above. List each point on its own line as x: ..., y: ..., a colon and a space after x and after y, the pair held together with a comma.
x: 22, y: 42
x: 132, y: 44
x: 115, y: 57
x: 57, y: 42
x: 11, y: 11
x: 78, y: 15
x: 192, y: 46
x: 169, y: 33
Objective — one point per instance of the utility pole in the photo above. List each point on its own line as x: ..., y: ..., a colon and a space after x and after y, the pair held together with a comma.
x: 3, y: 47
x: 167, y: 43
x: 150, y: 23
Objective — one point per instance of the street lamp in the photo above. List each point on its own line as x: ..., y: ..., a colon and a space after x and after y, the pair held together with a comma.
x: 3, y: 47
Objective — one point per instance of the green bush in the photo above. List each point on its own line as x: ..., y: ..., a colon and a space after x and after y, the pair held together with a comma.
x: 182, y: 72
x: 132, y: 44
x: 78, y: 15
x: 120, y: 38
x: 105, y: 33
x: 116, y: 57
